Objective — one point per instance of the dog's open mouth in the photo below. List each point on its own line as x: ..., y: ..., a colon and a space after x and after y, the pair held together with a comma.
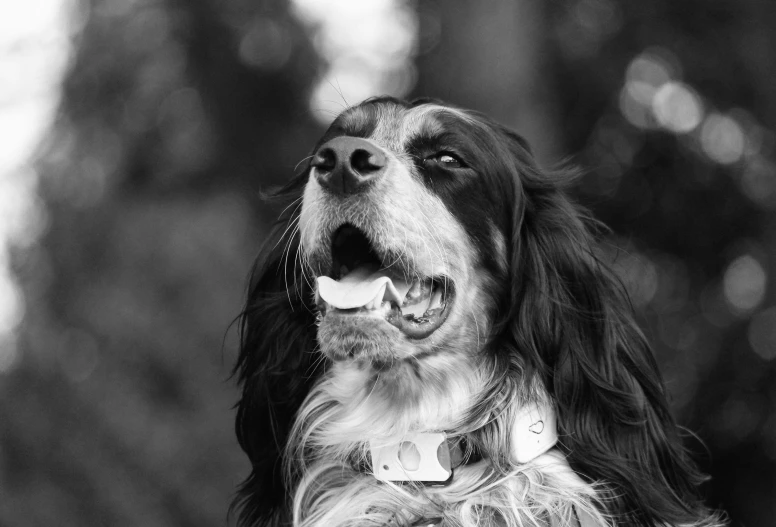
x: 363, y: 283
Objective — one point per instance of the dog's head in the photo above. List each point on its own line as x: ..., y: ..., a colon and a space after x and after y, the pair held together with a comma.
x: 403, y: 227
x: 430, y: 268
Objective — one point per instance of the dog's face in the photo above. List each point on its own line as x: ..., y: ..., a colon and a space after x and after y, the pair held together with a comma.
x: 405, y: 193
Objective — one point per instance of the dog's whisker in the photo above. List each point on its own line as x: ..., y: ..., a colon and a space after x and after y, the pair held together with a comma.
x: 285, y: 254
x: 320, y: 358
x: 298, y: 264
x: 399, y: 255
x: 291, y: 223
x: 434, y: 233
x: 411, y: 271
x: 325, y: 111
x: 301, y: 257
x: 338, y: 89
x: 299, y: 260
x: 300, y: 162
x: 297, y: 202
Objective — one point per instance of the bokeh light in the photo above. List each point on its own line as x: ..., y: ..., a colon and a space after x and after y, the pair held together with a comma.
x: 722, y: 139
x: 266, y: 44
x: 745, y: 283
x: 758, y: 181
x: 677, y: 107
x: 368, y: 48
x: 34, y: 49
x: 647, y: 73
x: 588, y: 24
x: 636, y: 112
x: 638, y: 273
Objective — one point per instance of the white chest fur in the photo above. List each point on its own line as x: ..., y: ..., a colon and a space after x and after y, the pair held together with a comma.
x: 331, y: 437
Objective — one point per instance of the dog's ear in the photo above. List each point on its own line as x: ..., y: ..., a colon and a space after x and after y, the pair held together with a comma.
x: 571, y: 323
x: 275, y: 366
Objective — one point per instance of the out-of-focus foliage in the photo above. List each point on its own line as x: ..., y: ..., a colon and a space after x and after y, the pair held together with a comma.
x: 677, y: 129
x: 174, y: 116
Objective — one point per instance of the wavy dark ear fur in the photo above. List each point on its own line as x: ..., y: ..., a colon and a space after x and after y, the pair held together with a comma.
x: 571, y: 323
x: 276, y: 365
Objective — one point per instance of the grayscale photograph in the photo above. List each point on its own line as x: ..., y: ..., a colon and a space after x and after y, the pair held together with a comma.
x: 388, y: 263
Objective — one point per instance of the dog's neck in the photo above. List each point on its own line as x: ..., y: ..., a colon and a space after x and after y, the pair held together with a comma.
x: 381, y: 405
x: 347, y: 409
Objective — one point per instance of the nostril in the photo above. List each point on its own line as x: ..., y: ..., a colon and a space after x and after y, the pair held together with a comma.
x: 325, y: 159
x: 364, y: 161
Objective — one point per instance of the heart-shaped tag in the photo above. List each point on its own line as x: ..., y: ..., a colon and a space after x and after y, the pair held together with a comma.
x: 537, y: 427
x: 534, y: 431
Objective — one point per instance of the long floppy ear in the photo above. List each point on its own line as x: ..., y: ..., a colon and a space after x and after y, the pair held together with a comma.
x: 276, y: 366
x: 571, y: 323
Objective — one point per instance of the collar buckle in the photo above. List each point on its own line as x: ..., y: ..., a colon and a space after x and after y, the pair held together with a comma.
x: 422, y: 457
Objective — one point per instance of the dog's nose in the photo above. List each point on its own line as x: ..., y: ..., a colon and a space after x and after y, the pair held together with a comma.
x: 348, y: 165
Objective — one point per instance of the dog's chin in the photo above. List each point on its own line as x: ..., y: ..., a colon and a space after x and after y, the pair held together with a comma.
x: 378, y: 338
x: 361, y: 338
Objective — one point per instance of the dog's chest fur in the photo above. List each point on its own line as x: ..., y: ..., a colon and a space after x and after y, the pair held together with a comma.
x: 337, y: 487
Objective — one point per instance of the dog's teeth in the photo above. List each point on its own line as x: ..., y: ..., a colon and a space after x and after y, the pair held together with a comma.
x: 413, y: 291
x: 377, y: 301
x: 436, y: 299
x: 419, y: 291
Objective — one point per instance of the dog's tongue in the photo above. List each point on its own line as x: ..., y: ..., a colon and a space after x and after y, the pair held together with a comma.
x: 365, y: 286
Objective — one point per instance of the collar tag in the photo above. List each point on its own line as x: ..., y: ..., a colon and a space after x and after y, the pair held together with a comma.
x: 534, y: 432
x: 422, y: 457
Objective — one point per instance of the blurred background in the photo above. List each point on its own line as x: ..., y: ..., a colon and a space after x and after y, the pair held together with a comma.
x: 136, y: 135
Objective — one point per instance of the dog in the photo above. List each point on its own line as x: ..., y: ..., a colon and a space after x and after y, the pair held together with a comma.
x: 428, y: 288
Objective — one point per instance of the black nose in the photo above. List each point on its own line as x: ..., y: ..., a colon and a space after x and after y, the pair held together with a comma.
x: 348, y: 165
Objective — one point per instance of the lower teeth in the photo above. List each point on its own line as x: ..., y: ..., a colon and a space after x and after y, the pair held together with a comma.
x: 425, y: 317
x: 422, y: 307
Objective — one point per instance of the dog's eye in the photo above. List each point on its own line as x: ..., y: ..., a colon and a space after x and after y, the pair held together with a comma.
x: 447, y: 160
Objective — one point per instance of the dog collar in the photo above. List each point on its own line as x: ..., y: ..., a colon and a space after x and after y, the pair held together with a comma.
x: 422, y: 457
x: 430, y: 458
